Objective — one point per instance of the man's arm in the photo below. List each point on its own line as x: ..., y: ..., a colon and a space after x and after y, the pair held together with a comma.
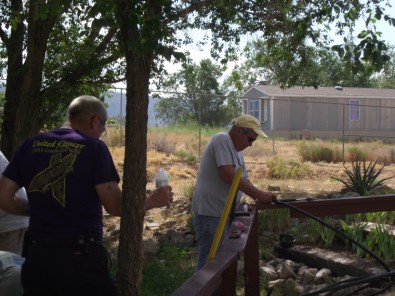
x: 110, y: 195
x: 228, y: 173
x: 9, y: 200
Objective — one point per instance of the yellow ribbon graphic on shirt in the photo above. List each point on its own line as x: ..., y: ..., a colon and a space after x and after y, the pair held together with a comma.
x: 54, y: 177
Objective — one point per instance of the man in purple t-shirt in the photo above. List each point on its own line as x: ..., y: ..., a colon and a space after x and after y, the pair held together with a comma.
x: 69, y: 175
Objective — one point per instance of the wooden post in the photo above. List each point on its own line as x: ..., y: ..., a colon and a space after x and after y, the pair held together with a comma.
x: 251, y: 259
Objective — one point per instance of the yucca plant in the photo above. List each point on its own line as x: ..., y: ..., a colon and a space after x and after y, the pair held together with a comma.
x: 361, y: 177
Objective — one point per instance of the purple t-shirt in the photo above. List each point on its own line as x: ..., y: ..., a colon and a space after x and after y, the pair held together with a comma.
x: 59, y: 170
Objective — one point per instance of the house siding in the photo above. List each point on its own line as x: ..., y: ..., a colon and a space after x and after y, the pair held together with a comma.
x: 325, y: 112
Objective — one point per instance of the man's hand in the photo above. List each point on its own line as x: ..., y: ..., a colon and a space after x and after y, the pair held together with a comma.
x: 266, y: 197
x: 160, y: 197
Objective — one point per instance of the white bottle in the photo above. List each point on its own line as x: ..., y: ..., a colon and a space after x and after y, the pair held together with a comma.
x: 161, y: 178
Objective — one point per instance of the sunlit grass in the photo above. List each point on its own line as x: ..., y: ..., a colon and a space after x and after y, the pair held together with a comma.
x: 179, y: 147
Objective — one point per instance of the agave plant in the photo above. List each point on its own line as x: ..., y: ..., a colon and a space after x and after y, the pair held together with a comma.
x: 362, y: 177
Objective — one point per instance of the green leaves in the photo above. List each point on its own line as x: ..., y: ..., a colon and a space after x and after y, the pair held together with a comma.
x: 194, y: 95
x: 362, y: 178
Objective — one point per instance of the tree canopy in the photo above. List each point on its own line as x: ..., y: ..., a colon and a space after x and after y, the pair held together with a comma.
x: 108, y: 40
x: 50, y: 53
x: 194, y: 94
x: 321, y: 67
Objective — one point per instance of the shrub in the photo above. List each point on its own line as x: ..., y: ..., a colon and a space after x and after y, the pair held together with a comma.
x: 356, y: 154
x: 316, y: 153
x: 161, y: 143
x: 113, y: 137
x: 279, y: 169
x: 187, y: 156
x: 362, y: 178
x: 187, y: 191
x: 273, y: 220
x: 319, y: 233
x: 377, y: 240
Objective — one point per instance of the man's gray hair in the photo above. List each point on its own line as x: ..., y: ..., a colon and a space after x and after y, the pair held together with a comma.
x: 86, y: 105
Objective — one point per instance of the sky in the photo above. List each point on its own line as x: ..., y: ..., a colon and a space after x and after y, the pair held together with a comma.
x: 197, y: 54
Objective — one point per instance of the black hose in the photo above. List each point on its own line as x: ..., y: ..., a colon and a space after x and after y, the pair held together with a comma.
x: 341, y: 285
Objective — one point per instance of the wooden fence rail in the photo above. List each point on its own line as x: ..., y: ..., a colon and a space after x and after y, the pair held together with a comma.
x: 220, y: 273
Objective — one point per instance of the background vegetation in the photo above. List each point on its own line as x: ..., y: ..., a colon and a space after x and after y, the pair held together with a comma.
x: 50, y: 51
x: 284, y: 165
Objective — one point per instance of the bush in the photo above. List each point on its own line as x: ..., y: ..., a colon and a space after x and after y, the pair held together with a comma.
x: 187, y: 191
x: 317, y: 153
x: 161, y: 143
x: 276, y: 220
x: 356, y: 154
x: 279, y: 169
x: 187, y: 156
x: 362, y: 178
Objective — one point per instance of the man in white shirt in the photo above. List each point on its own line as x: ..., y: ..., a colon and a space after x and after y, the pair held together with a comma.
x: 12, y: 227
x: 10, y: 274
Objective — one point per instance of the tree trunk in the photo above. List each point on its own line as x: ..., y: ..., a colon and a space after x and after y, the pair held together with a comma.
x: 130, y: 263
x: 24, y: 80
x: 138, y: 68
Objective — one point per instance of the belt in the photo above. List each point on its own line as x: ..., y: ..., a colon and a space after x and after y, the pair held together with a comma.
x: 79, y: 246
x: 66, y: 241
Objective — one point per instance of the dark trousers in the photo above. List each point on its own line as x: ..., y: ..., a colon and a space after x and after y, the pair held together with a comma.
x: 65, y: 268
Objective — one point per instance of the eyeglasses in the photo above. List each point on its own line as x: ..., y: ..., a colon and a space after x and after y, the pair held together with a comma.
x: 103, y: 134
x: 102, y: 120
x: 247, y: 131
x: 103, y: 124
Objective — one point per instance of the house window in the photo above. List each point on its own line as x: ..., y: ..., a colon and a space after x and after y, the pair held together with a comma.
x: 354, y: 110
x: 253, y: 108
x: 265, y: 108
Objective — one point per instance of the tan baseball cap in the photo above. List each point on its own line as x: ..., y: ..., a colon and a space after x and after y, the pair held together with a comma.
x: 249, y: 121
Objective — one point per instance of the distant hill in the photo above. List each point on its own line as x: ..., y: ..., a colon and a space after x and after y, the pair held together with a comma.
x: 114, y: 107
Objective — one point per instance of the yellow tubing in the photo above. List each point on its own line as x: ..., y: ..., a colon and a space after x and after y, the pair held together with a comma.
x: 225, y: 214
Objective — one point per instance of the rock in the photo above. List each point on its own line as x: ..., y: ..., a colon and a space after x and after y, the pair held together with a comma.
x: 308, y: 278
x: 298, y: 289
x: 275, y: 262
x: 295, y: 266
x: 277, y: 282
x: 302, y: 269
x: 290, y: 283
x: 381, y: 190
x: 323, y: 276
x: 342, y: 263
x: 152, y: 226
x: 273, y: 188
x: 351, y: 194
x: 286, y: 271
x: 269, y: 273
x: 151, y: 246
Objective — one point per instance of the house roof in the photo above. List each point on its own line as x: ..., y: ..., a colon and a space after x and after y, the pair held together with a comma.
x: 335, y: 92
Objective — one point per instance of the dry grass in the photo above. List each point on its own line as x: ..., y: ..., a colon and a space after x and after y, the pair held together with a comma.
x: 182, y: 175
x: 163, y: 147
